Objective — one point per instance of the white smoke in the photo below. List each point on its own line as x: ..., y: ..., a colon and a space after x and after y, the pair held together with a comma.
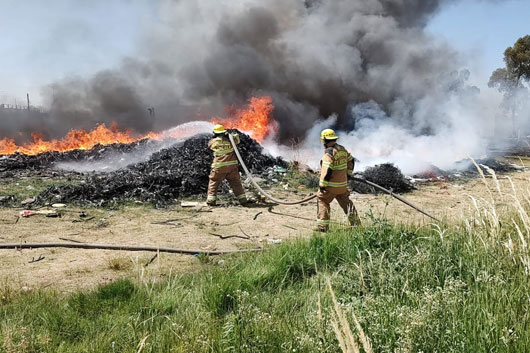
x: 116, y: 160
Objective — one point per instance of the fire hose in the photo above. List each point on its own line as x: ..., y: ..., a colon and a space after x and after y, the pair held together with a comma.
x: 309, y: 198
x: 121, y: 247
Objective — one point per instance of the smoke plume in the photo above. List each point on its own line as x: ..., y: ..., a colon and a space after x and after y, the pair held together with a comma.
x: 368, y: 64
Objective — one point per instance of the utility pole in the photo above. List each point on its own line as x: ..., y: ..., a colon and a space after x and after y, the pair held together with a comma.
x: 27, y: 95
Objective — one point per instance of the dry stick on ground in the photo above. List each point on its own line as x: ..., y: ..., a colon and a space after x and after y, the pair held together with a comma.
x: 270, y: 209
x: 151, y: 260
x: 83, y: 220
x: 286, y: 226
x: 170, y: 221
x: 72, y: 240
x: 229, y: 236
x: 242, y: 231
x: 228, y: 224
x: 40, y: 258
x: 257, y: 214
x: 18, y: 246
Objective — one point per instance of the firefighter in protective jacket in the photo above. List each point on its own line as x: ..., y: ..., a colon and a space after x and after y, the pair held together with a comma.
x: 224, y: 166
x: 337, y: 164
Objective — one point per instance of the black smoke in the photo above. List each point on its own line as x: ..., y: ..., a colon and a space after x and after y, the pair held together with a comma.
x: 315, y: 58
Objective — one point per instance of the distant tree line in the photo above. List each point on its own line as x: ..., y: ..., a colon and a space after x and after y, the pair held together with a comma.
x: 511, y: 79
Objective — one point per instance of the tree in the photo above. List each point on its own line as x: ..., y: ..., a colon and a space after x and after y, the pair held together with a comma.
x: 517, y: 59
x: 510, y: 79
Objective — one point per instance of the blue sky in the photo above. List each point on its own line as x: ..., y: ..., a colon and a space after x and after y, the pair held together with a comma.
x: 482, y: 30
x: 48, y: 40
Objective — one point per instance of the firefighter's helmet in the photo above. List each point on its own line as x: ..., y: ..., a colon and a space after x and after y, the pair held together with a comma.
x: 328, y: 134
x: 219, y: 129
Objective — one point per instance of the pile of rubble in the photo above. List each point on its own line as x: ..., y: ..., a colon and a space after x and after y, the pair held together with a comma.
x: 44, y: 164
x: 386, y: 175
x: 467, y: 169
x: 179, y: 171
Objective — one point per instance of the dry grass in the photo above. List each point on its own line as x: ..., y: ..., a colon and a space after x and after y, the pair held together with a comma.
x: 502, y: 219
x: 347, y: 342
x: 119, y: 264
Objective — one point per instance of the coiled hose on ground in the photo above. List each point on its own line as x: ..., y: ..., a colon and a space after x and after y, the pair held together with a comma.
x: 283, y: 202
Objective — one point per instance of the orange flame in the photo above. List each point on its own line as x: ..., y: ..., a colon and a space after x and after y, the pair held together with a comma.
x: 74, y: 139
x: 255, y: 119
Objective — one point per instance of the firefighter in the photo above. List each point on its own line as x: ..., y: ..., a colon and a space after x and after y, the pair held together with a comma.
x: 224, y: 166
x: 337, y: 164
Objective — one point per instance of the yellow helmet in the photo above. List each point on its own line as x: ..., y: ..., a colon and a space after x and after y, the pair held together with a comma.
x: 328, y: 134
x: 219, y: 129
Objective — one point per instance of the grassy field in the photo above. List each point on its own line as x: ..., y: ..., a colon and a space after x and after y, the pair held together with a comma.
x: 457, y: 288
x: 411, y: 290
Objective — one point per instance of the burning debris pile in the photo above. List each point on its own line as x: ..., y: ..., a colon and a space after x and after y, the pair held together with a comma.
x: 178, y: 171
x: 386, y: 175
x: 19, y: 164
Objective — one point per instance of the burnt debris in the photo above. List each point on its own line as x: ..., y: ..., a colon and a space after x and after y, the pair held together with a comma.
x: 44, y: 164
x: 175, y: 172
x: 386, y: 175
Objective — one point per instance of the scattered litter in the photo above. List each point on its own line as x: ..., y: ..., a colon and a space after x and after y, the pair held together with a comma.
x: 27, y: 213
x: 274, y: 241
x: 58, y: 205
x: 102, y: 223
x: 6, y: 199
x: 47, y: 213
x: 220, y: 262
x: 28, y: 201
x: 189, y: 204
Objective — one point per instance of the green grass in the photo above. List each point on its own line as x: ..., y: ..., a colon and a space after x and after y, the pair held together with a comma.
x: 297, y: 178
x: 25, y: 187
x: 412, y: 290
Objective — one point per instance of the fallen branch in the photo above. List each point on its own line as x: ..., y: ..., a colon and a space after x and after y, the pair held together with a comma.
x: 256, y: 216
x: 72, y: 240
x: 37, y: 260
x: 151, y: 260
x: 228, y: 224
x: 230, y: 236
x: 242, y: 231
x: 286, y: 226
x: 18, y: 246
x: 83, y: 220
x: 170, y: 222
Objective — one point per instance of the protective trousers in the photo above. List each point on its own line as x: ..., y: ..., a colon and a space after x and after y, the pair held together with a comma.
x: 324, y: 199
x: 231, y: 174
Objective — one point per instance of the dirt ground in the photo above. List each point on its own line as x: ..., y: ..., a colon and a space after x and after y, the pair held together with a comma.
x: 196, y: 228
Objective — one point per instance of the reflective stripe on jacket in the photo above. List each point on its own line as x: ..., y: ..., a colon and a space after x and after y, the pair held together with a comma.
x: 223, y: 152
x: 337, y: 164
